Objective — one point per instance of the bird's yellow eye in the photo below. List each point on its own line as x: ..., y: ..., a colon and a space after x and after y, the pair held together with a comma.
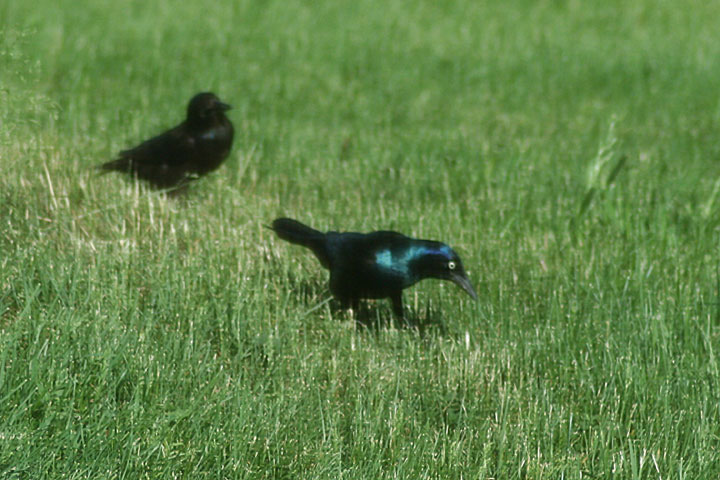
x: 451, y: 265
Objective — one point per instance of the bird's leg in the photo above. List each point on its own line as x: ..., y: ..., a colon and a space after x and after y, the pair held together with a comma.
x: 350, y: 303
x: 355, y: 305
x: 397, y: 303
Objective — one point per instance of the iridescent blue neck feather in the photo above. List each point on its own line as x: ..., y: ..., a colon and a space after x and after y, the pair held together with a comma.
x: 399, y: 262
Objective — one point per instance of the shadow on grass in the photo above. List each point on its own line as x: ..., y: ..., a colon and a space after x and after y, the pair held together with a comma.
x: 371, y: 315
x: 374, y: 316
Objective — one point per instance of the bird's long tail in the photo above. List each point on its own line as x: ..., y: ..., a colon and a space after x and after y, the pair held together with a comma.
x: 295, y: 232
x: 121, y: 164
x: 300, y: 234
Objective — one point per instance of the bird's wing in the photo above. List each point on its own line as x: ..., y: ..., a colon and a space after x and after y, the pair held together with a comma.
x: 382, y: 249
x: 170, y: 148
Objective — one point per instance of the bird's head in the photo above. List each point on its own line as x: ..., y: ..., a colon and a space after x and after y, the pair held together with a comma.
x: 206, y: 107
x: 437, y: 260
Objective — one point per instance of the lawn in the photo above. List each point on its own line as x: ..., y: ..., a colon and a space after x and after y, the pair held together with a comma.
x: 569, y: 151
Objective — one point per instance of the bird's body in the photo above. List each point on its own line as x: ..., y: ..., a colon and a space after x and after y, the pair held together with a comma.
x: 192, y: 149
x: 375, y: 265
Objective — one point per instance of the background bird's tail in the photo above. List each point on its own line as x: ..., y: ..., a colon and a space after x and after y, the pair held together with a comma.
x: 295, y: 232
x: 119, y: 165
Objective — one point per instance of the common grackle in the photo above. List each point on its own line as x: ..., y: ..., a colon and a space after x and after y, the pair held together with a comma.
x: 375, y: 265
x: 195, y: 147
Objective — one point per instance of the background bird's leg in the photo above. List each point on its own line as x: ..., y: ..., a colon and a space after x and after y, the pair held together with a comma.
x: 355, y: 304
x: 397, y: 303
x: 350, y: 303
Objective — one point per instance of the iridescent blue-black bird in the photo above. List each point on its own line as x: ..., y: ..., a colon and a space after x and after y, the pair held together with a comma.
x: 375, y: 265
x: 190, y: 150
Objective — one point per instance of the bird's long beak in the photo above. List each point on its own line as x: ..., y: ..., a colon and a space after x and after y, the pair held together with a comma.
x: 463, y: 282
x: 224, y: 106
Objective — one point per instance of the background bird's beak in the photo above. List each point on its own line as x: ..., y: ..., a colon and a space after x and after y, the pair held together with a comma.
x: 224, y: 106
x: 464, y: 283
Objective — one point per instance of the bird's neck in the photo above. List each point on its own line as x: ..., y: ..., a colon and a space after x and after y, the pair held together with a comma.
x: 206, y: 123
x: 424, y: 259
x: 413, y: 262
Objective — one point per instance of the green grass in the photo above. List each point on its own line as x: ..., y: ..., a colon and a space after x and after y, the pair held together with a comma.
x: 568, y: 150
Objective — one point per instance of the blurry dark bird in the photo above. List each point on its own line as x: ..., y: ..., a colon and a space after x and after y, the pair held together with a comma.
x: 375, y: 265
x: 190, y: 150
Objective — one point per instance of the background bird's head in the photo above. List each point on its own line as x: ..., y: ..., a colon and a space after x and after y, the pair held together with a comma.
x: 437, y: 260
x: 205, y: 108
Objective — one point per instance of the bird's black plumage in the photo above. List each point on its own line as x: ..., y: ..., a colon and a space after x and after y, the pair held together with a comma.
x: 195, y: 147
x: 375, y: 265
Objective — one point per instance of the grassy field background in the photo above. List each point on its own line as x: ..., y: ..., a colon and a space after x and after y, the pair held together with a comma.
x: 568, y: 150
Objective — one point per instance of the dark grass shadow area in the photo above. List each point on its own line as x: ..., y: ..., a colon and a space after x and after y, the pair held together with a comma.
x: 373, y: 316
x: 370, y: 315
